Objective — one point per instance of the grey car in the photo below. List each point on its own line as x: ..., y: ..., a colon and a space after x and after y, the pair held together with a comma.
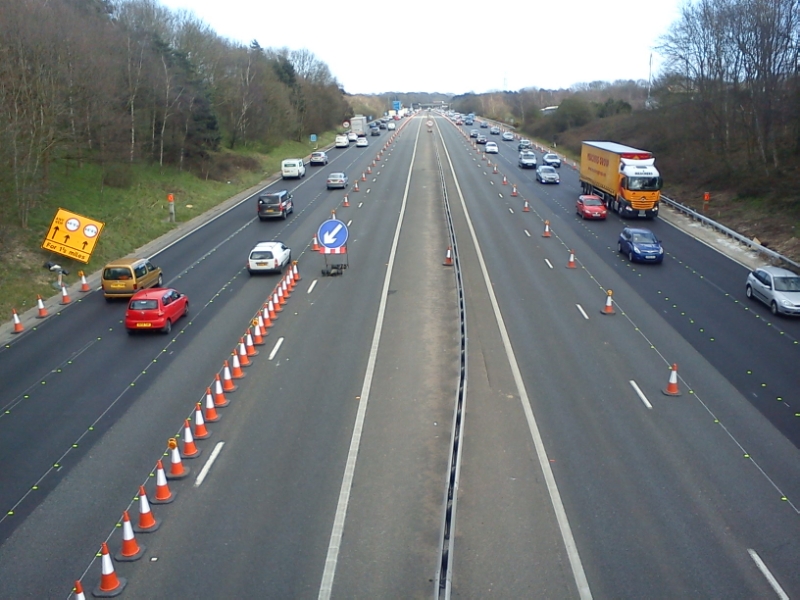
x: 551, y: 160
x: 777, y: 288
x: 527, y: 159
x: 547, y: 174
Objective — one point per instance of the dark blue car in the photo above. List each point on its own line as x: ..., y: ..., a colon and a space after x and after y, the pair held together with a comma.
x: 640, y: 245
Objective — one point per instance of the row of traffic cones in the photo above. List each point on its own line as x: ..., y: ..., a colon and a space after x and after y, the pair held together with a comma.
x: 42, y: 310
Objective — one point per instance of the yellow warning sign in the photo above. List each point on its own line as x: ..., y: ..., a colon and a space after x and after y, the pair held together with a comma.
x: 72, y: 235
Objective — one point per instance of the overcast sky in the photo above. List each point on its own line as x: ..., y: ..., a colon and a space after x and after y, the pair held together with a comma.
x: 448, y: 47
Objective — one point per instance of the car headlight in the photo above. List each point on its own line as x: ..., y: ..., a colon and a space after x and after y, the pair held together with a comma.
x: 636, y: 249
x: 786, y: 302
x: 661, y: 251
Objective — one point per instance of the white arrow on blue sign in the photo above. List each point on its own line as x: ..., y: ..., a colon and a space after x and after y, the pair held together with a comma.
x: 332, y: 233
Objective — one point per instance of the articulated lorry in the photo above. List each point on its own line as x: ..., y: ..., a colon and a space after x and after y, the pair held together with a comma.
x: 358, y: 125
x: 625, y: 178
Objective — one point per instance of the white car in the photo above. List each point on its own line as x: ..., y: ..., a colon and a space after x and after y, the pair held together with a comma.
x: 551, y: 160
x: 342, y: 141
x: 776, y: 287
x: 268, y: 257
x: 362, y: 142
x: 390, y: 125
x: 352, y: 136
x: 491, y: 148
x: 507, y: 136
x: 318, y: 158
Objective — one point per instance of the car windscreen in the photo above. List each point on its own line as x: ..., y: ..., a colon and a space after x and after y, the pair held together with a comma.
x: 787, y: 284
x: 592, y: 202
x: 547, y: 170
x: 644, y: 238
x: 260, y: 255
x: 144, y: 304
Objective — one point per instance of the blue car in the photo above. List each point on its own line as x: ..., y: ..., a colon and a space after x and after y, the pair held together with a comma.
x: 640, y: 245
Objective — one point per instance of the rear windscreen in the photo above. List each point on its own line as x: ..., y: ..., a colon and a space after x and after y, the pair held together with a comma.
x: 269, y: 200
x: 260, y: 255
x: 117, y: 273
x: 144, y: 304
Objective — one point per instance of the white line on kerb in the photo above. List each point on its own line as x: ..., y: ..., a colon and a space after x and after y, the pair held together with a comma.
x: 207, y: 467
x: 549, y: 264
x: 768, y: 574
x: 640, y: 393
x: 312, y: 286
x: 583, y: 312
x: 277, y: 347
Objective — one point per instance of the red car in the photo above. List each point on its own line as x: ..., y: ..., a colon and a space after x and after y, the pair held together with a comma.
x: 591, y: 207
x: 156, y: 308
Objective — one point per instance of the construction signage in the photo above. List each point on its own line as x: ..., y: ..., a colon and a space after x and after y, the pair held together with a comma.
x: 72, y: 235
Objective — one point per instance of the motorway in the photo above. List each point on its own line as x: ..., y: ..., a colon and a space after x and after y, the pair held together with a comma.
x: 576, y: 476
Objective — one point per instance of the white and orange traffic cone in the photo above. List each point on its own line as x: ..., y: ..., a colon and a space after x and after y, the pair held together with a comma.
x: 40, y: 305
x: 281, y: 301
x: 285, y: 291
x: 110, y: 585
x: 244, y: 360
x: 571, y: 261
x: 273, y: 314
x: 505, y: 181
x: 608, y: 309
x: 201, y: 432
x: 84, y: 284
x: 258, y: 331
x: 249, y: 346
x: 526, y: 207
x: 289, y: 281
x: 147, y: 522
x: 369, y: 170
x: 314, y: 244
x: 77, y: 591
x: 355, y: 187
x: 546, y: 229
x: 236, y: 367
x: 176, y: 468
x: 514, y: 193
x: 276, y: 303
x: 363, y: 176
x: 18, y: 326
x: 64, y: 295
x: 211, y: 415
x: 130, y: 550
x: 190, y: 449
x: 494, y: 170
x: 295, y: 272
x: 227, y: 378
x: 448, y: 257
x: 346, y: 202
x: 672, y: 385
x: 219, y: 393
x: 266, y: 317
x: 163, y: 494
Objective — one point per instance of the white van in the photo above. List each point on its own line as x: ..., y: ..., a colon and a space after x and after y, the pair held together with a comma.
x: 342, y: 141
x: 293, y: 167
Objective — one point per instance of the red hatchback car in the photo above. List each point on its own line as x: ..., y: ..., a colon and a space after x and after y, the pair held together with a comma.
x: 591, y: 207
x: 156, y: 308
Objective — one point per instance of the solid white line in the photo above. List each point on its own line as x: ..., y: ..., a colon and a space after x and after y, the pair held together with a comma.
x: 277, y: 347
x: 584, y: 592
x: 583, y: 312
x: 640, y: 393
x: 549, y: 264
x: 326, y: 585
x: 767, y: 574
x: 312, y: 286
x: 528, y: 233
x: 207, y: 467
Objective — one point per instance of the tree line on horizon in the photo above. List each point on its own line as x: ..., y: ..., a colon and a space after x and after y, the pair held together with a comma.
x: 126, y: 81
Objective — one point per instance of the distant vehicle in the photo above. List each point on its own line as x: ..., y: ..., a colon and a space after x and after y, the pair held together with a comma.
x: 155, y: 309
x: 391, y: 125
x: 459, y: 122
x: 625, y: 178
x: 293, y: 168
x: 362, y: 142
x: 318, y: 158
x: 527, y: 159
x: 640, y: 245
x: 275, y: 205
x: 482, y: 139
x: 546, y: 174
x: 491, y: 148
x: 473, y: 133
x: 524, y: 144
x: 342, y: 141
x: 358, y: 125
x: 591, y: 207
x: 484, y: 125
x: 375, y: 131
x: 382, y: 125
x: 551, y: 160
x: 507, y: 136
x: 494, y: 131
x: 352, y: 136
x: 125, y: 277
x: 776, y: 287
x: 268, y: 257
x: 336, y: 180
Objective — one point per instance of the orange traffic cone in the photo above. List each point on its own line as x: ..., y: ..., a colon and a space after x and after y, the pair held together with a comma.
x: 266, y: 317
x: 77, y: 591
x: 201, y: 432
x: 110, y: 584
x: 281, y: 299
x: 484, y: 157
x: 244, y: 360
x: 258, y: 337
x: 514, y: 190
x: 227, y: 378
x: 571, y: 261
x: 249, y: 346
x: 355, y: 187
x: 672, y: 385
x: 546, y: 229
x: 211, y: 415
x: 64, y: 295
x: 345, y: 202
x: 273, y: 314
x: 285, y: 290
x: 190, y: 449
x: 369, y: 170
x: 276, y: 302
x: 448, y: 257
x: 176, y: 468
x: 289, y: 281
x: 363, y: 176
x: 18, y: 327
x: 608, y: 309
x: 505, y: 181
x: 314, y: 244
x: 131, y: 550
x: 219, y: 393
x: 163, y: 494
x: 84, y: 284
x: 494, y: 170
x: 40, y: 305
x: 526, y: 207
x: 295, y: 272
x: 147, y: 522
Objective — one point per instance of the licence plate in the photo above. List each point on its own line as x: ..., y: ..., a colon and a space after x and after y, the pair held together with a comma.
x: 642, y: 213
x: 144, y: 325
x: 262, y: 264
x: 650, y: 257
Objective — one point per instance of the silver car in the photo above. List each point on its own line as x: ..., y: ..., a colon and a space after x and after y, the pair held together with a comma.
x: 546, y: 174
x: 777, y: 288
x: 551, y: 160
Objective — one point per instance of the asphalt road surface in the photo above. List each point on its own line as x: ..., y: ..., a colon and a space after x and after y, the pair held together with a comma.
x: 577, y: 476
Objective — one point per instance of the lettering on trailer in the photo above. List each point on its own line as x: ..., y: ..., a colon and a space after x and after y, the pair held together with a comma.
x: 596, y: 158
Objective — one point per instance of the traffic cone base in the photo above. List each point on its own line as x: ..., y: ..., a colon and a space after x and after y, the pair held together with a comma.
x: 608, y: 309
x: 672, y: 385
x: 546, y: 229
